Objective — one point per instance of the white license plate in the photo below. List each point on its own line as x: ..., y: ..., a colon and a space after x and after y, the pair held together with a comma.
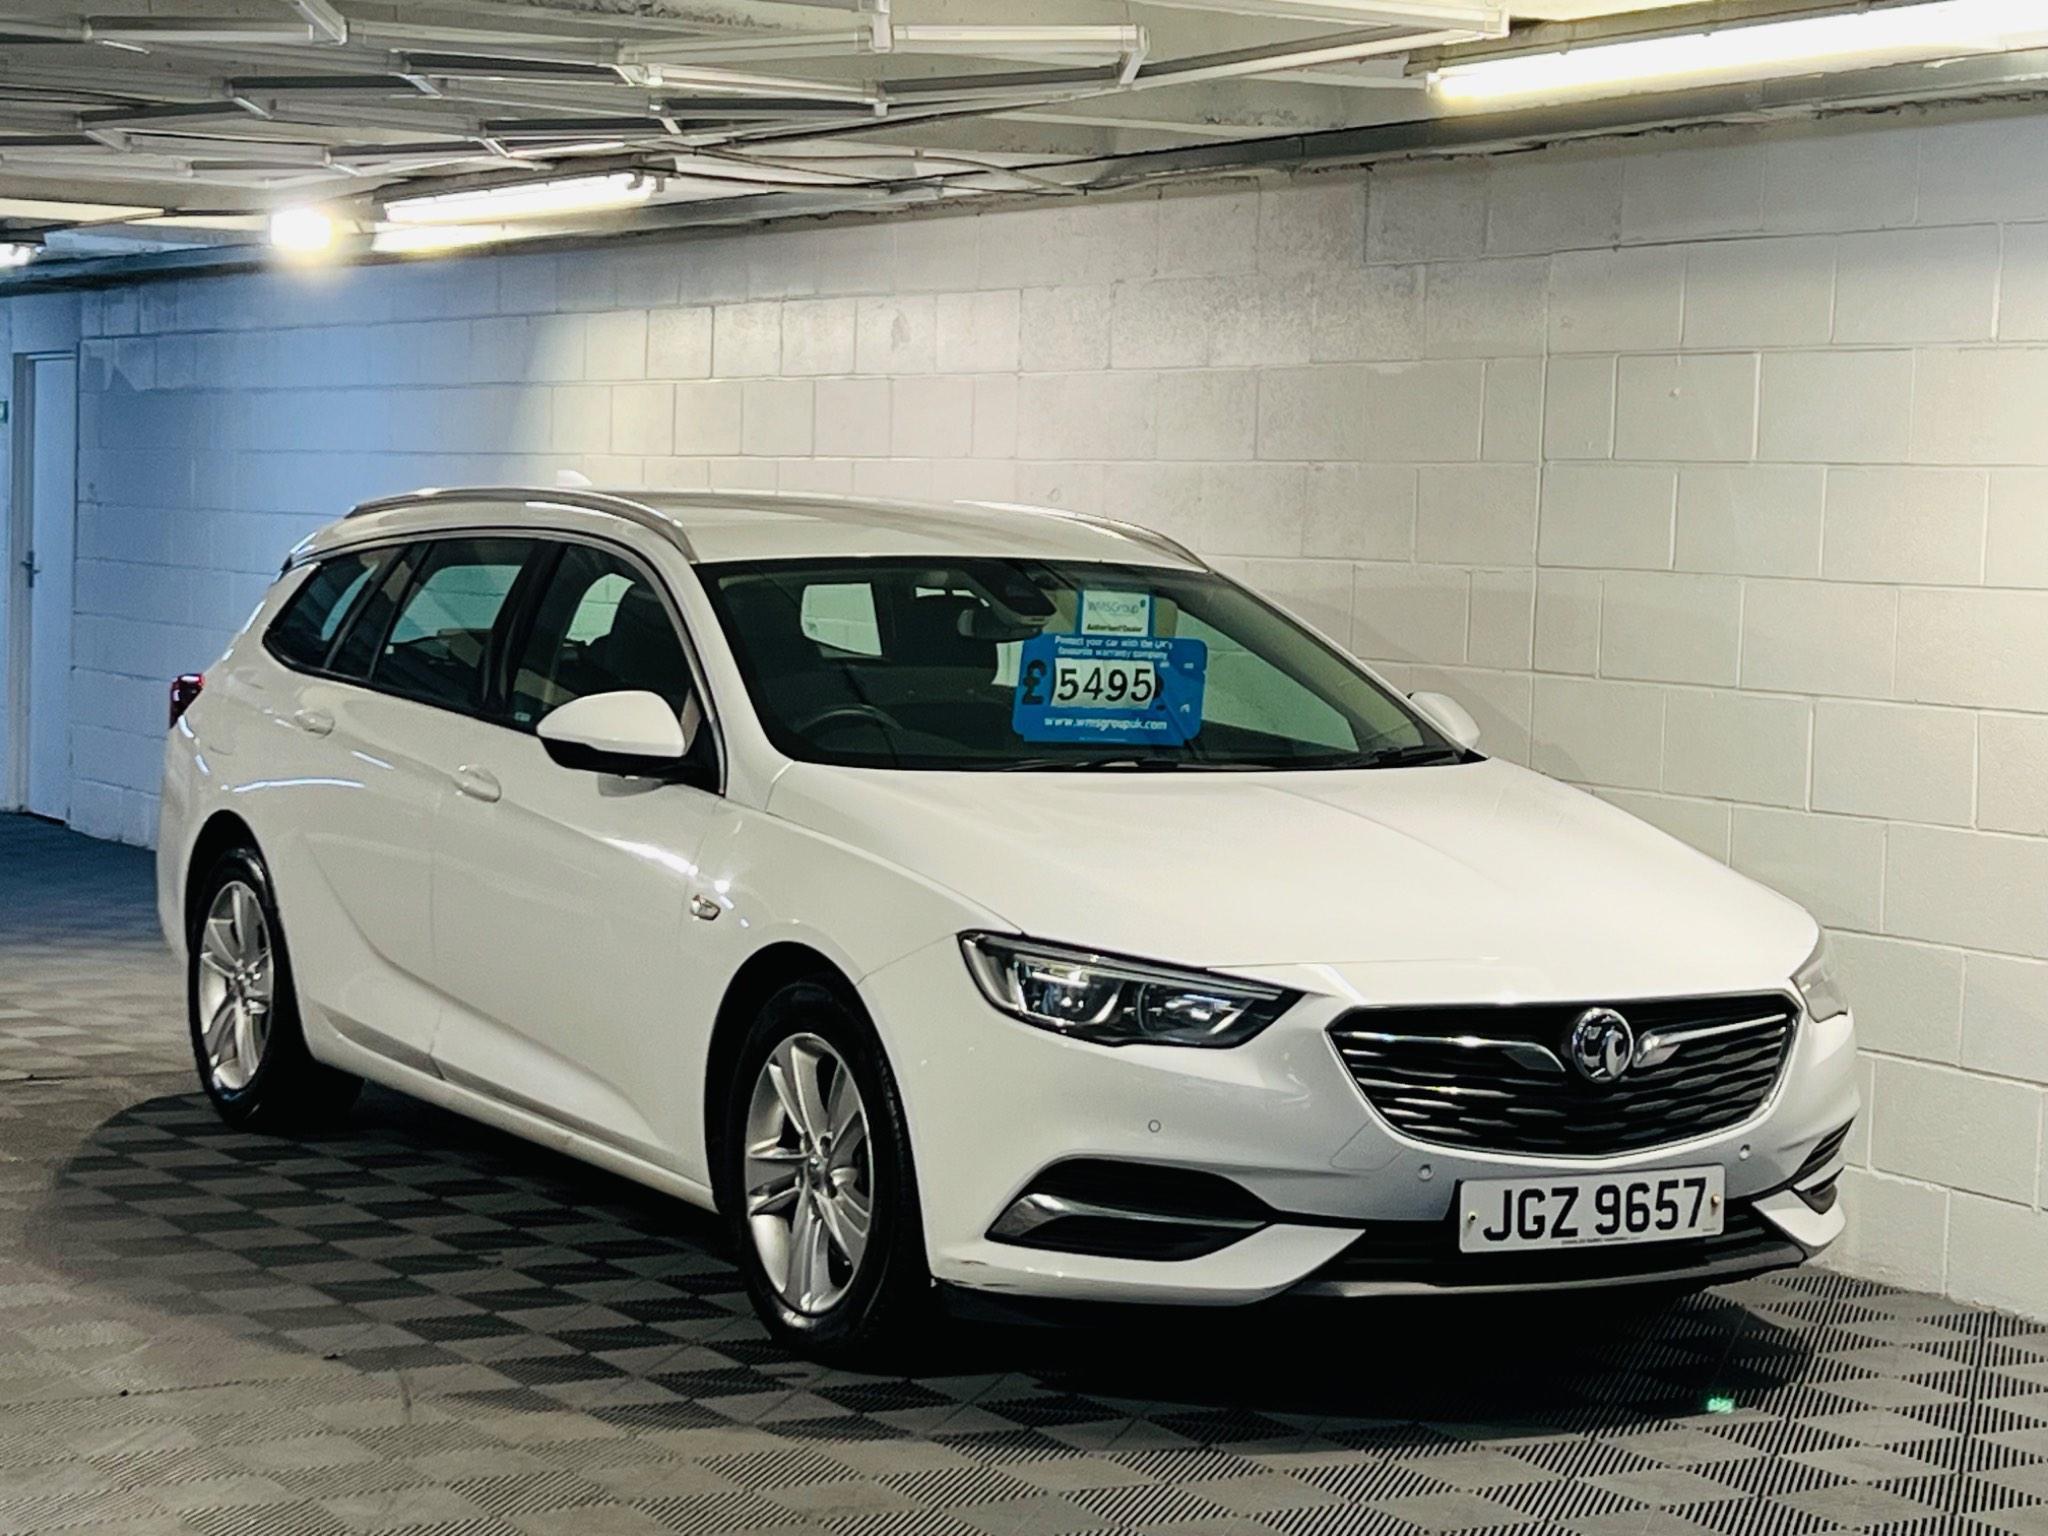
x: 1656, y: 1205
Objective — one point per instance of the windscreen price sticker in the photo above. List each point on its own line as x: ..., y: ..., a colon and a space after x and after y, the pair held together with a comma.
x: 1097, y: 684
x: 1110, y: 688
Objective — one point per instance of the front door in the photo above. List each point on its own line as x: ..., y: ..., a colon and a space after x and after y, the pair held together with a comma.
x: 562, y: 926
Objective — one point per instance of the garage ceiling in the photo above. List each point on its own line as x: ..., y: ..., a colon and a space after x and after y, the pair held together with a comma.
x: 189, y: 123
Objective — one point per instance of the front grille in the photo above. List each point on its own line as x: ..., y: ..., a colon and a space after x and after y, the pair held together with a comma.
x: 1426, y: 1253
x: 1500, y: 1079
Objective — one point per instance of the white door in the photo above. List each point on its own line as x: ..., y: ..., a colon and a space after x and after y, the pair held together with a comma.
x: 46, y: 465
x: 562, y: 934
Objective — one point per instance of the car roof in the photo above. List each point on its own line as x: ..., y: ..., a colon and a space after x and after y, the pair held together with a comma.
x: 716, y: 526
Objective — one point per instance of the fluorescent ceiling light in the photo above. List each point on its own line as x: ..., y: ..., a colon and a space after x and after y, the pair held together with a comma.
x: 53, y: 211
x: 15, y: 253
x: 1840, y: 40
x: 230, y: 221
x: 301, y: 230
x: 524, y: 200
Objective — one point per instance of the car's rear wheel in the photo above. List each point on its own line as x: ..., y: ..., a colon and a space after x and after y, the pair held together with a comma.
x: 816, y: 1180
x: 243, y: 1007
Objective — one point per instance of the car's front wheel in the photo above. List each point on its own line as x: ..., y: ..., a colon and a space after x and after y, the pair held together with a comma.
x: 243, y: 1007
x: 816, y: 1180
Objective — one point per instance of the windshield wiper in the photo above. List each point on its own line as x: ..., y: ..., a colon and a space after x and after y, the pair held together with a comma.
x: 1077, y: 764
x: 1414, y: 755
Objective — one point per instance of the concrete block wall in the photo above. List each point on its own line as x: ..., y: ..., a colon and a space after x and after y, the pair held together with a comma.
x: 1710, y: 471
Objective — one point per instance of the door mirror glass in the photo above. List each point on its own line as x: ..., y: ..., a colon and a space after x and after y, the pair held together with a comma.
x: 627, y: 732
x: 1448, y: 716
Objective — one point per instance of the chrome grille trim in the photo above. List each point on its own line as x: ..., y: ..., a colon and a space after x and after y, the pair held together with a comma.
x: 1491, y: 1078
x: 1655, y: 1049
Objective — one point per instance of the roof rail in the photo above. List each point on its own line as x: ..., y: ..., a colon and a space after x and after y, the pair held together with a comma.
x: 652, y: 518
x: 589, y: 501
x: 1136, y: 531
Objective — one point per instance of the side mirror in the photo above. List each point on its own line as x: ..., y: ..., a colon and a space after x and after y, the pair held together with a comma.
x: 1448, y: 716
x: 631, y: 732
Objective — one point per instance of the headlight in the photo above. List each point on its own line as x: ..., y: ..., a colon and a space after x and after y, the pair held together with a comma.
x: 1117, y: 1002
x: 1819, y: 986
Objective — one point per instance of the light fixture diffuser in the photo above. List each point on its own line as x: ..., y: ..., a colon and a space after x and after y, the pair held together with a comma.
x: 524, y: 200
x: 1748, y: 51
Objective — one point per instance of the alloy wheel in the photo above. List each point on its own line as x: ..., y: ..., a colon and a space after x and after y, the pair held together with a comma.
x: 809, y: 1174
x: 236, y: 980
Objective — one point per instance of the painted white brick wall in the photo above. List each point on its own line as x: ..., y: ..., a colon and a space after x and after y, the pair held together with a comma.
x: 1709, y: 471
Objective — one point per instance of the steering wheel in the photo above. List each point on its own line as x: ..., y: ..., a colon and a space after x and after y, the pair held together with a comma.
x: 832, y: 712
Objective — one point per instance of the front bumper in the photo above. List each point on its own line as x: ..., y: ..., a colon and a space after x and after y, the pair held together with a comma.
x: 992, y: 1104
x: 1421, y: 1258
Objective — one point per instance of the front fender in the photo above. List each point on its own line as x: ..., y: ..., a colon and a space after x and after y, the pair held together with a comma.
x: 775, y: 882
x: 786, y: 883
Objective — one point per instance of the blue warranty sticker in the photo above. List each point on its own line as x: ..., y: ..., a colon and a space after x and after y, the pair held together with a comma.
x: 1127, y: 688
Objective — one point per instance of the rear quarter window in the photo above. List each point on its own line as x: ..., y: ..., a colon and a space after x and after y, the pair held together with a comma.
x: 303, y: 631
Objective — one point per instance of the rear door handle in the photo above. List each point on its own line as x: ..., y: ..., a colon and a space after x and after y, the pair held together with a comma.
x: 478, y: 783
x: 314, y: 722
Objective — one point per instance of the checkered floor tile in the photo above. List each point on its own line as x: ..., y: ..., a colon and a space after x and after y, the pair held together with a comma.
x: 416, y: 1325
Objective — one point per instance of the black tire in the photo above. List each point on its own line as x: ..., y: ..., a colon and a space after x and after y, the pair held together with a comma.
x: 890, y: 1291
x: 288, y: 1090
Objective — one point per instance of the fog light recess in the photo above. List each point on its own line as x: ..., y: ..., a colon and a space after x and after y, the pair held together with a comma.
x: 1120, y: 1210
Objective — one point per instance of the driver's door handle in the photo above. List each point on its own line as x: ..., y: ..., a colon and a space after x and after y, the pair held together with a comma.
x: 28, y: 564
x: 478, y: 783
x: 314, y: 722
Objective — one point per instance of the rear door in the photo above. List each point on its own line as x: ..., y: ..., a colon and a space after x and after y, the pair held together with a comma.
x: 342, y: 829
x: 562, y: 897
x: 399, y: 707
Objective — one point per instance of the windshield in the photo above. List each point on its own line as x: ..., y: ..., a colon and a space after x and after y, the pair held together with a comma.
x: 992, y: 663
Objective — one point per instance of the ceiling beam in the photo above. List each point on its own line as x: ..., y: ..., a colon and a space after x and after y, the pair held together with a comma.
x: 323, y: 18
x: 348, y: 100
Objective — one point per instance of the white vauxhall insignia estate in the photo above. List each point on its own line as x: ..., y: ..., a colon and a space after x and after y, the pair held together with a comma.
x: 991, y: 900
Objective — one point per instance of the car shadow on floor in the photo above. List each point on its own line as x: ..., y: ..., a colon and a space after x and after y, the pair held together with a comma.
x: 411, y: 1240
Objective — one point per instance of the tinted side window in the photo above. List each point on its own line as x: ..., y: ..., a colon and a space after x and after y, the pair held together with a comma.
x: 372, y: 617
x: 600, y: 627
x: 304, y: 629
x: 438, y: 644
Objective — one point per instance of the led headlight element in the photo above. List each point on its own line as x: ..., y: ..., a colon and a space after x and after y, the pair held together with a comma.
x: 1819, y: 986
x: 1112, y: 1001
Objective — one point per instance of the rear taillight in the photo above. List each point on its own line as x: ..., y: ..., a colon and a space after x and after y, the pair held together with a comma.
x: 183, y: 691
